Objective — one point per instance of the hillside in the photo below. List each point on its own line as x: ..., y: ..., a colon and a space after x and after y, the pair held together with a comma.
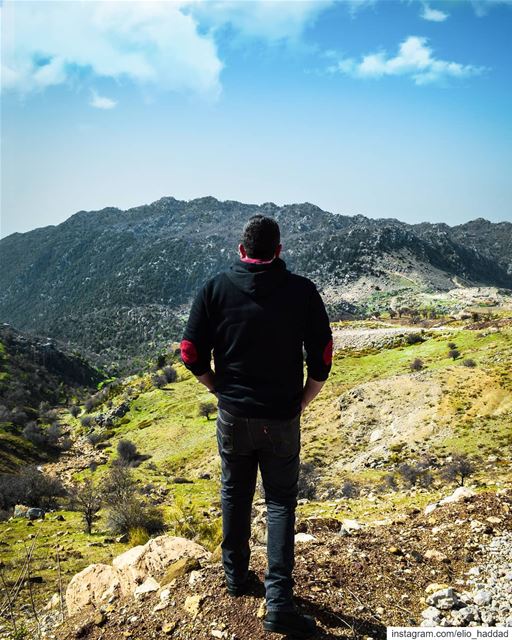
x: 375, y: 445
x: 116, y: 285
x: 35, y: 378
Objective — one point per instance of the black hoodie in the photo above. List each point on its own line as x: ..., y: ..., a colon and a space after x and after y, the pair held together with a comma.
x: 257, y: 318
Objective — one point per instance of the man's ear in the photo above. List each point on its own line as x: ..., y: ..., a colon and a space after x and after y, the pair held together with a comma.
x: 241, y: 250
x: 278, y: 250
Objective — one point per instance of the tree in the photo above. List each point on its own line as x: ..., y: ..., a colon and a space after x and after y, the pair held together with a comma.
x: 458, y: 469
x: 206, y: 409
x: 454, y: 354
x: 86, y: 497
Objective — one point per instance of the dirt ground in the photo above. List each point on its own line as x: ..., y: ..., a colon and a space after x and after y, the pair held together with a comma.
x: 353, y: 585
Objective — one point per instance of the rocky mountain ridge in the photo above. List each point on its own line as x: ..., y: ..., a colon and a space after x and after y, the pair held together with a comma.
x: 117, y: 284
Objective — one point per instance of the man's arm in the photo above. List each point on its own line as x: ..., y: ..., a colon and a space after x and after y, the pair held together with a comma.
x: 196, y: 347
x: 318, y: 345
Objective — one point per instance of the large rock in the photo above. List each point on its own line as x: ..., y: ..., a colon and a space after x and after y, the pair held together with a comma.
x: 153, y: 559
x: 459, y: 494
x: 144, y: 564
x: 92, y: 586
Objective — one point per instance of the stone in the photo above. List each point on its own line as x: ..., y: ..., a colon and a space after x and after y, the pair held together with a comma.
x: 429, y: 508
x: 351, y: 525
x: 434, y: 554
x: 180, y: 568
x: 460, y: 493
x: 435, y: 586
x: 91, y: 586
x: 482, y: 597
x: 443, y: 599
x: 431, y: 615
x: 20, y: 511
x: 149, y: 585
x: 193, y: 604
x: 168, y: 627
x: 304, y: 537
x: 152, y: 559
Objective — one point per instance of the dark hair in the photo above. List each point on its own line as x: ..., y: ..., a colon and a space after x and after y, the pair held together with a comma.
x: 261, y: 237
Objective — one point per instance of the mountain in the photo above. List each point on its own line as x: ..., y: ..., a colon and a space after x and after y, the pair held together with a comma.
x: 117, y: 284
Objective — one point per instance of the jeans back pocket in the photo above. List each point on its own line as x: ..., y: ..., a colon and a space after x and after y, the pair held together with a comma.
x: 285, y: 436
x: 225, y: 431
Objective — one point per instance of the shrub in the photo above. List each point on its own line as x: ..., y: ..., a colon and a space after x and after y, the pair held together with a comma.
x: 206, y: 409
x: 134, y: 513
x: 170, y: 374
x: 74, y: 410
x: 87, y: 421
x: 30, y: 487
x: 417, y: 474
x: 350, y: 489
x: 127, y: 452
x: 53, y: 433
x: 118, y: 485
x: 158, y: 380
x: 188, y: 520
x: 138, y: 536
x: 469, y: 362
x: 34, y: 434
x: 413, y: 338
x: 452, y: 345
x: 390, y: 482
x: 416, y: 364
x: 89, y: 405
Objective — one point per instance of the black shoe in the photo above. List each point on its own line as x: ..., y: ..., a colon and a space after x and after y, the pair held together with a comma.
x: 245, y: 587
x: 292, y: 623
x: 237, y: 590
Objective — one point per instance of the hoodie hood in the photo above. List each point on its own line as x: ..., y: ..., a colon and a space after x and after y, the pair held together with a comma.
x: 258, y: 280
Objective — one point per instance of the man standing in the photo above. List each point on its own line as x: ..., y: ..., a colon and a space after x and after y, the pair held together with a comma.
x: 257, y: 317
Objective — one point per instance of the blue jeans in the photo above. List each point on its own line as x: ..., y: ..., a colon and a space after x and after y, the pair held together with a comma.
x: 274, y: 445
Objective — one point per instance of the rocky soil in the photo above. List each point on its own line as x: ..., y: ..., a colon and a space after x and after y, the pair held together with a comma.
x: 355, y: 581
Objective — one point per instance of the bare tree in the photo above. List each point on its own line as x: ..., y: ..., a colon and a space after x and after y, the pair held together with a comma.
x: 86, y: 497
x: 458, y: 469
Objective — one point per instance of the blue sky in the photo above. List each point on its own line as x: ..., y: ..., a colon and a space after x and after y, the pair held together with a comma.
x: 385, y: 108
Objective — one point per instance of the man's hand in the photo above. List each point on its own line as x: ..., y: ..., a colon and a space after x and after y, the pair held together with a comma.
x: 311, y: 390
x: 208, y: 379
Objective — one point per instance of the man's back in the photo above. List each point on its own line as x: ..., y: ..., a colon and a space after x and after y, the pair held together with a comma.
x: 257, y: 318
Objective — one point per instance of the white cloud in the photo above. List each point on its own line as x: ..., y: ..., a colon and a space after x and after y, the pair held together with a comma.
x: 101, y: 102
x: 270, y: 20
x: 433, y: 15
x: 482, y: 7
x: 148, y: 43
x: 414, y: 59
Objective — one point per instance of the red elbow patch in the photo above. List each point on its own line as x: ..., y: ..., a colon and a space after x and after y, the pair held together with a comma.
x: 188, y: 352
x: 327, y: 354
